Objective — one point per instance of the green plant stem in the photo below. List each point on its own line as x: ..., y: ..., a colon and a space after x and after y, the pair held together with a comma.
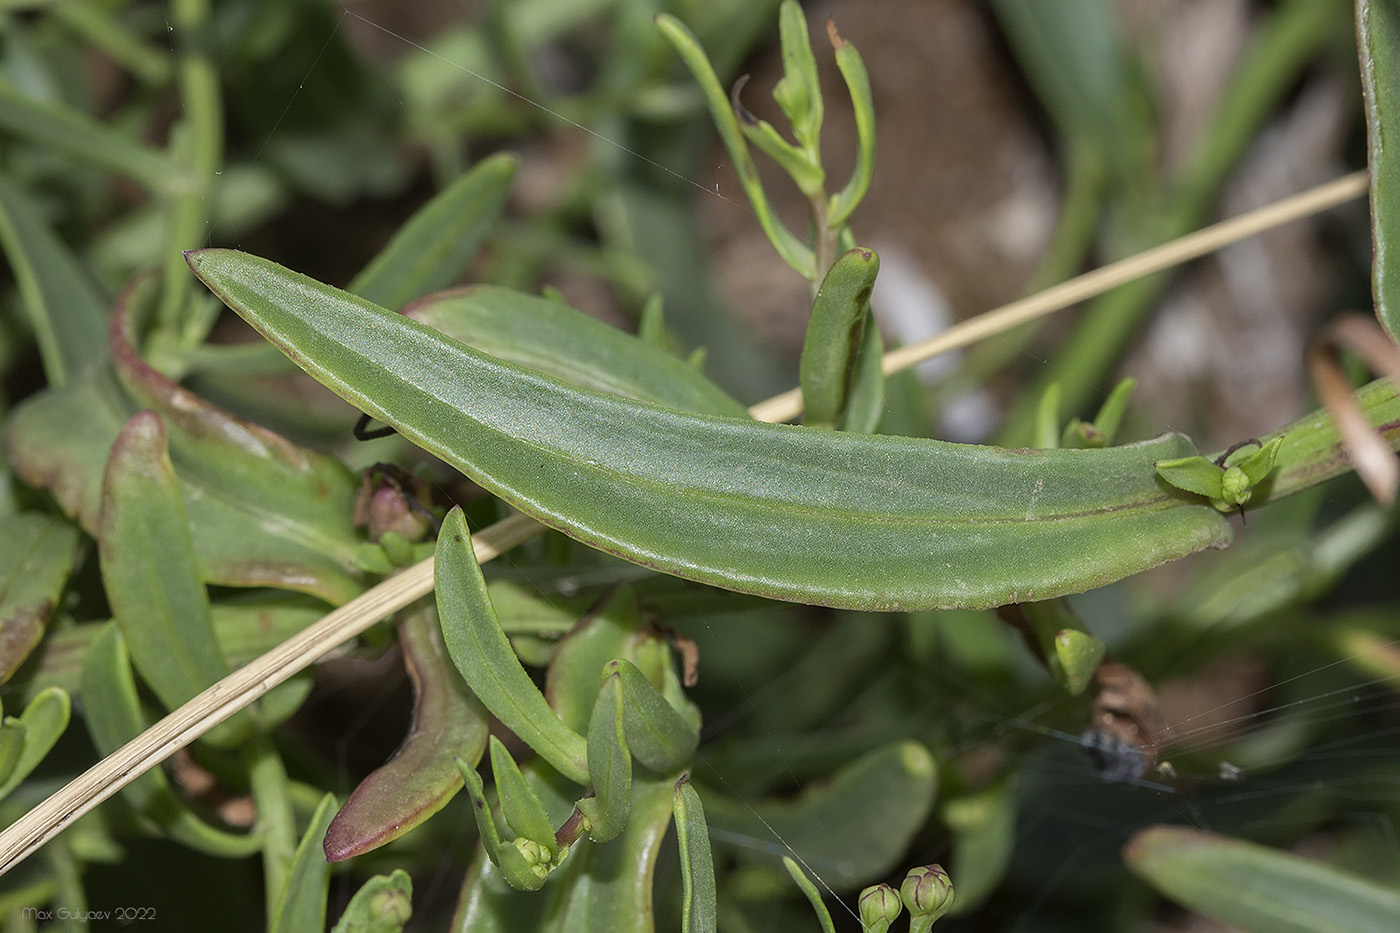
x: 197, y: 144
x: 1312, y: 453
x: 267, y: 778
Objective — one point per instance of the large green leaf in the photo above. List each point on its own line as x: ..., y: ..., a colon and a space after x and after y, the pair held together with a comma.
x: 1378, y: 35
x: 1256, y: 888
x: 787, y: 512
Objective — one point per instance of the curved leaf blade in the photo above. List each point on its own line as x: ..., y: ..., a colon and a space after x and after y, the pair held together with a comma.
x: 486, y: 661
x: 836, y: 336
x: 148, y: 567
x: 520, y: 807
x: 430, y: 251
x: 786, y: 512
x: 609, y: 765
x: 1378, y: 35
x: 658, y: 735
x: 448, y: 722
x: 700, y: 908
x: 1257, y: 888
x: 43, y: 719
x: 303, y: 903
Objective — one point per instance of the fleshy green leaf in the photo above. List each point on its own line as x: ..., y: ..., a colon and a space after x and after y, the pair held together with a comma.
x: 553, y: 338
x: 852, y: 68
x: 699, y: 905
x: 1192, y: 474
x: 303, y: 903
x: 658, y: 735
x: 431, y: 250
x: 1260, y: 463
x: 448, y: 722
x: 799, y: 92
x: 484, y: 657
x: 824, y: 517
x: 852, y: 827
x: 36, y: 555
x: 67, y: 313
x: 515, y: 869
x: 609, y: 887
x: 609, y: 765
x: 836, y: 335
x: 43, y: 720
x: 384, y: 904
x: 149, y: 571
x: 1256, y: 888
x: 609, y: 631
x: 112, y: 712
x: 1378, y: 35
x: 520, y: 808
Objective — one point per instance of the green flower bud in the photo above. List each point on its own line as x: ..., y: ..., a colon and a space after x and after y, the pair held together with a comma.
x: 879, y: 907
x: 1235, y: 486
x: 928, y: 893
x: 536, y: 855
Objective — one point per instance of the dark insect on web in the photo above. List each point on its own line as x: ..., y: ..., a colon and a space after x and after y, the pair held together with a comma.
x: 1115, y: 758
x: 1123, y: 726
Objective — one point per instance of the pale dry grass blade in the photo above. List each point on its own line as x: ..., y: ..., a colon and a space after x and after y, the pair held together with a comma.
x: 248, y: 683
